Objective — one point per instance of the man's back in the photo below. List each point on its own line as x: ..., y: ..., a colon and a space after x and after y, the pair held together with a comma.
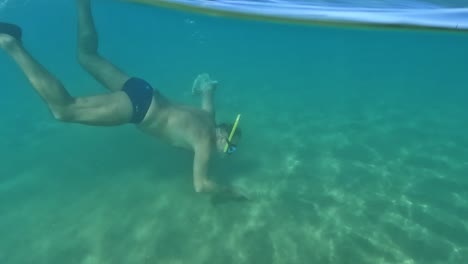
x: 179, y: 125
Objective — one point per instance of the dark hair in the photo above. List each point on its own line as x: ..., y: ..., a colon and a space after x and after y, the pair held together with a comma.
x: 228, y: 127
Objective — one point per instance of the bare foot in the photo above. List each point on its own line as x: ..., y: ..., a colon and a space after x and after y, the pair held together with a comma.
x: 203, y: 84
x: 7, y: 42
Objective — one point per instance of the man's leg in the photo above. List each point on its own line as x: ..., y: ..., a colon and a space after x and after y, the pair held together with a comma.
x: 101, y: 69
x: 103, y: 110
x: 206, y: 87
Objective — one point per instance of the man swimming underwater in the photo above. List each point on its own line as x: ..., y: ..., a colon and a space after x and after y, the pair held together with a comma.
x: 131, y: 100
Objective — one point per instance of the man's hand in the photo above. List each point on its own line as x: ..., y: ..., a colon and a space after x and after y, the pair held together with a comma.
x: 237, y: 195
x: 224, y: 194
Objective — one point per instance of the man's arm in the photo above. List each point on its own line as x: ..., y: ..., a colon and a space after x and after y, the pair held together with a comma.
x: 200, y: 174
x: 200, y: 169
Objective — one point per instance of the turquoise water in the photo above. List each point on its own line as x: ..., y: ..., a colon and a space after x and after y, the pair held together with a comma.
x: 355, y: 146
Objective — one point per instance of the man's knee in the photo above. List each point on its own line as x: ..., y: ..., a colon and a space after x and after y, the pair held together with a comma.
x: 62, y: 113
x: 85, y: 58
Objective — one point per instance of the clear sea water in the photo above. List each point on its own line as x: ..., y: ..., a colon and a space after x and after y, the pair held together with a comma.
x: 354, y: 150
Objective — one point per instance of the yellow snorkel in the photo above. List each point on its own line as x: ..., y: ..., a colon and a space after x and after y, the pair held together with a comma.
x: 233, y: 130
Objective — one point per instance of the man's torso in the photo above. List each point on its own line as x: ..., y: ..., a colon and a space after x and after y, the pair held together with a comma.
x: 178, y: 125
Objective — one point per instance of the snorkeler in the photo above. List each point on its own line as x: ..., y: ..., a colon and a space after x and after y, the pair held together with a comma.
x: 131, y: 100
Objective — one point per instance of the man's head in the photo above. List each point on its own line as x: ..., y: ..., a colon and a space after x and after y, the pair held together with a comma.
x: 222, y: 137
